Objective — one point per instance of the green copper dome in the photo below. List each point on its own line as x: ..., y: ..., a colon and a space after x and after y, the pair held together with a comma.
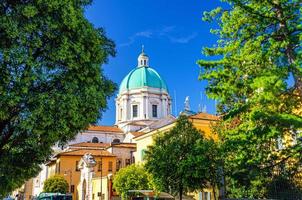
x: 140, y: 77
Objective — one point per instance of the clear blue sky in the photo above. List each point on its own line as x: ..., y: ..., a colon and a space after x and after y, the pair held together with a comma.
x: 173, y: 34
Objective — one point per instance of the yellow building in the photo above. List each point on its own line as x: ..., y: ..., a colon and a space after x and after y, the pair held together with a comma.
x: 106, y: 184
x: 66, y: 164
x: 202, y: 121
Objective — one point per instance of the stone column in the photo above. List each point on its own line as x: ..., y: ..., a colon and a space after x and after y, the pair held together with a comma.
x: 163, y: 107
x: 89, y: 183
x: 125, y: 110
x: 117, y: 111
x: 147, y: 107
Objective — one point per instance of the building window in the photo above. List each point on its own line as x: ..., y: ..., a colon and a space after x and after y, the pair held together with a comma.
x: 118, y: 164
x: 145, y: 62
x: 116, y: 141
x: 58, y: 168
x: 110, y: 166
x: 72, y: 189
x: 127, y: 162
x: 134, y: 111
x: 131, y: 158
x: 100, y: 166
x: 77, y: 166
x: 154, y: 110
x: 95, y: 140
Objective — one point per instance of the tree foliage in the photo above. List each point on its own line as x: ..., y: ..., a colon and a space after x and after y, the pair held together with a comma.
x: 132, y: 177
x: 181, y: 160
x: 51, y: 82
x: 55, y: 184
x: 257, y: 80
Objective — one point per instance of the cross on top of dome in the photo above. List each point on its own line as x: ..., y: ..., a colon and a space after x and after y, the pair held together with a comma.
x: 143, y: 59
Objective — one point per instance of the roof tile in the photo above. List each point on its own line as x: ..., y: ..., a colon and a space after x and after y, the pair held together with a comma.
x: 105, y: 129
x: 81, y: 152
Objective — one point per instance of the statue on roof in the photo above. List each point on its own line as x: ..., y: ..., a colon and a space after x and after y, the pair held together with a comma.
x: 187, y: 110
x: 187, y: 103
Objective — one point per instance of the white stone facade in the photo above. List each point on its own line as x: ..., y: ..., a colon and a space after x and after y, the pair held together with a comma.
x: 103, y: 137
x: 145, y: 99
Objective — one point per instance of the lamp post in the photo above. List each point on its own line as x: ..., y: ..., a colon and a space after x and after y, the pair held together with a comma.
x: 109, y: 178
x: 70, y: 174
x: 101, y: 196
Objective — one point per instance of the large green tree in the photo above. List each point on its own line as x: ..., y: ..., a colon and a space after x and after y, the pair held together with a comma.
x: 180, y: 160
x: 257, y: 80
x: 51, y: 81
x: 132, y: 177
x: 56, y: 184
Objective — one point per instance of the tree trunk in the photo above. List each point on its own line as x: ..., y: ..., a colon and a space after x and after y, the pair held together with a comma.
x: 180, y: 192
x: 214, y: 191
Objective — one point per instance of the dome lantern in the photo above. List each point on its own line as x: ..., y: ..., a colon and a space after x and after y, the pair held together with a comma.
x: 143, y: 59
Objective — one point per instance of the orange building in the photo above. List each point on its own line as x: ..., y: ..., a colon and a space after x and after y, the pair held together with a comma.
x: 66, y: 164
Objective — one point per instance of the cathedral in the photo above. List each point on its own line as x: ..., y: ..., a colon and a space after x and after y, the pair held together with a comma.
x: 143, y: 97
x: 90, y: 160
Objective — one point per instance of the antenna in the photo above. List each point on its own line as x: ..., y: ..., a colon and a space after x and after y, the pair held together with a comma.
x: 204, y: 109
x: 199, y: 108
x: 200, y: 105
x: 215, y: 103
x: 175, y: 103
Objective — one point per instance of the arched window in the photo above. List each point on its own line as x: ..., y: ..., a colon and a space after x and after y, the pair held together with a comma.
x: 95, y: 140
x: 145, y: 62
x: 116, y: 141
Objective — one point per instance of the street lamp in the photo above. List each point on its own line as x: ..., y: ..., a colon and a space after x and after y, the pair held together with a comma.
x: 70, y: 173
x: 109, y: 178
x: 101, y: 196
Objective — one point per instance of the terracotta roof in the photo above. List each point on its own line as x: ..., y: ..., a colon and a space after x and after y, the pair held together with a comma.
x: 136, y: 134
x: 124, y: 145
x: 81, y: 152
x: 90, y: 144
x: 204, y: 116
x: 114, y: 129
